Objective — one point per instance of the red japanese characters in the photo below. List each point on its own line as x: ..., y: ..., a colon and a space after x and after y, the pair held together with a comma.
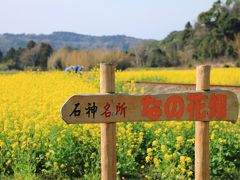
x: 197, y: 105
x: 119, y: 109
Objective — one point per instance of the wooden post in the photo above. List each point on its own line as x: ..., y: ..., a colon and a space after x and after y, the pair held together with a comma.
x: 202, y: 170
x: 108, y: 130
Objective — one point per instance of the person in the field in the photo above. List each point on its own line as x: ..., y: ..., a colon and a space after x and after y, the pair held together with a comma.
x: 76, y: 69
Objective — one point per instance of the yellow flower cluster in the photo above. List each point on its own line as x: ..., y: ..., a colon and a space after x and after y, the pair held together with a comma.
x: 229, y: 76
x: 29, y: 112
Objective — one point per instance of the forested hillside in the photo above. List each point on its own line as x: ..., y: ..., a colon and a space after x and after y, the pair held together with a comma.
x: 60, y: 39
x: 214, y: 37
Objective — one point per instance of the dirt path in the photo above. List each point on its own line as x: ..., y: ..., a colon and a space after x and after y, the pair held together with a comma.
x: 154, y: 88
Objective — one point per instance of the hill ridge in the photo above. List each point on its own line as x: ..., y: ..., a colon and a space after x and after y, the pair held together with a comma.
x: 59, y: 39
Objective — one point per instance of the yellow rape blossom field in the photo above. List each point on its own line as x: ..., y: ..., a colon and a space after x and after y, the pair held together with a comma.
x: 36, y: 143
x: 227, y: 76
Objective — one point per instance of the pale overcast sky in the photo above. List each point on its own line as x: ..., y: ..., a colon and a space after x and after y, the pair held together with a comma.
x: 148, y: 19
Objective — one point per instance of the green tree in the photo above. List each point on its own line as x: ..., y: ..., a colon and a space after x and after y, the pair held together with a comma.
x: 31, y: 44
x: 58, y: 64
x: 188, y: 32
x: 44, y: 53
x: 12, y: 58
x: 158, y: 58
x: 1, y: 56
x: 11, y: 54
x: 209, y: 18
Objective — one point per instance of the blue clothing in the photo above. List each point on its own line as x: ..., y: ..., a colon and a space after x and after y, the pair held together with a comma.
x: 76, y: 69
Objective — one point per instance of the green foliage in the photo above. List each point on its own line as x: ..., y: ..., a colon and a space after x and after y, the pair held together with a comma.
x: 11, y: 54
x: 226, y: 65
x: 58, y: 64
x: 188, y: 32
x: 212, y: 37
x: 238, y: 64
x: 122, y: 65
x: 222, y: 24
x: 1, y: 56
x: 3, y: 67
x: 144, y: 150
x: 211, y: 48
x: 224, y: 154
x: 34, y: 56
x: 44, y: 53
x: 12, y: 58
x: 158, y: 58
x: 151, y: 54
x: 31, y: 44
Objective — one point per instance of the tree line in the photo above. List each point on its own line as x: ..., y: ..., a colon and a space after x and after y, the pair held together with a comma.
x: 34, y: 56
x: 214, y: 38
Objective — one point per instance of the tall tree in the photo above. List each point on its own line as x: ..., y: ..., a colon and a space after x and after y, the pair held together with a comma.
x: 45, y: 51
x: 188, y: 32
x: 158, y: 58
x: 12, y: 58
x: 10, y: 54
x: 1, y: 56
x: 31, y: 44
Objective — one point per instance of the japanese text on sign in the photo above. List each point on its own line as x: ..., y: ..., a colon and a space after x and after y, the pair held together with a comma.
x: 194, y: 106
x: 174, y: 107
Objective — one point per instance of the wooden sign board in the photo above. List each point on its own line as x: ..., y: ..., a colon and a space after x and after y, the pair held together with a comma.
x: 189, y: 106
